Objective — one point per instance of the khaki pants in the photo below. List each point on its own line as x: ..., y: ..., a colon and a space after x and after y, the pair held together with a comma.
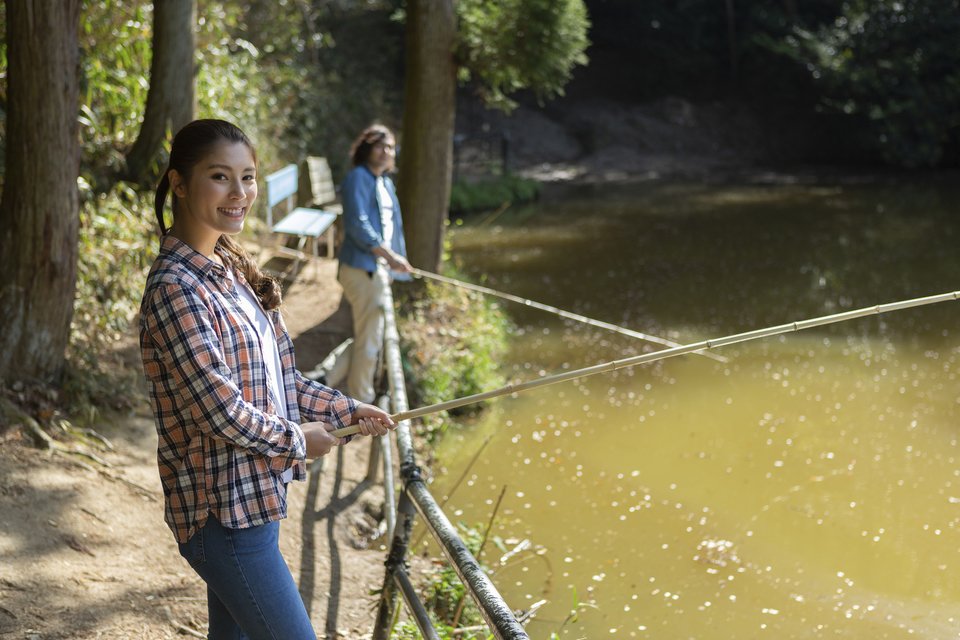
x: 365, y: 295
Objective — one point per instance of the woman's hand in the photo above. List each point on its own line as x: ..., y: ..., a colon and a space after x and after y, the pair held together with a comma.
x: 319, y: 440
x: 399, y: 263
x: 394, y: 260
x: 373, y: 421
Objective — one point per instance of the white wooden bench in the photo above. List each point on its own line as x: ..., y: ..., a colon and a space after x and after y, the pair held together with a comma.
x: 318, y: 188
x: 304, y: 223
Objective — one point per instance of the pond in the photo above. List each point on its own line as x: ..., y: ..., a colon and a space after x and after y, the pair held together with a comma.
x: 809, y: 486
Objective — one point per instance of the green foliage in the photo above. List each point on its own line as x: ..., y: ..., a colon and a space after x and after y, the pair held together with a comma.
x: 491, y: 193
x: 232, y: 84
x: 116, y: 247
x: 510, y: 45
x: 282, y: 72
x: 326, y: 71
x: 452, y: 341
x: 895, y: 64
x: 115, y: 52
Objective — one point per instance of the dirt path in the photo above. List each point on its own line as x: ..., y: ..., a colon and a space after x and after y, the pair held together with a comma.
x: 86, y: 556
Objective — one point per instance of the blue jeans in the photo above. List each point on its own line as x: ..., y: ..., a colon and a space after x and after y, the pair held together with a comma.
x: 250, y: 592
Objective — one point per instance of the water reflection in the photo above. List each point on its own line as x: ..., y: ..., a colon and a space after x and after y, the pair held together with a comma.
x: 808, y: 487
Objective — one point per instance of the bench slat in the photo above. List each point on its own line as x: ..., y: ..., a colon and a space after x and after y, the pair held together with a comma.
x: 322, y: 188
x: 305, y: 222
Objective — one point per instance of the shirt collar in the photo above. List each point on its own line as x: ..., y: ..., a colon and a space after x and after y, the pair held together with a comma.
x: 178, y: 250
x: 385, y: 174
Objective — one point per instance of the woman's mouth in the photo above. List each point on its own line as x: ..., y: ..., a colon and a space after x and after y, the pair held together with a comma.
x: 232, y: 212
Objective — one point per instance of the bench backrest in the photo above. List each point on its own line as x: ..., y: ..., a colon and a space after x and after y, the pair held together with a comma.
x: 320, y: 182
x: 281, y: 185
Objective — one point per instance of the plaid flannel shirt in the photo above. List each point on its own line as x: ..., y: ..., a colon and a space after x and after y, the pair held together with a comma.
x: 222, y: 449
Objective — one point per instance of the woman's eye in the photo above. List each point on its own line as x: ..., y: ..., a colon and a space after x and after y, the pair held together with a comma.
x: 250, y: 178
x: 218, y: 176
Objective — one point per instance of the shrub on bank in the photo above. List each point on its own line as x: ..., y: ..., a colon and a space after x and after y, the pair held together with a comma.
x: 492, y: 193
x: 452, y: 342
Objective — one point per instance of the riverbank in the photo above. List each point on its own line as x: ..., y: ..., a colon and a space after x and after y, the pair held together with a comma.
x: 87, y: 554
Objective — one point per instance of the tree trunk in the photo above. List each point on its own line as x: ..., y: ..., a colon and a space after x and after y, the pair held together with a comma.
x: 427, y: 138
x: 732, y: 42
x: 170, y: 101
x: 39, y: 209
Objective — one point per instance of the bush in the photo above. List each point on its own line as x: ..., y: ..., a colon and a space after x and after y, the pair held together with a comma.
x: 452, y: 343
x: 116, y: 247
x: 894, y: 65
x: 510, y: 45
x: 492, y: 193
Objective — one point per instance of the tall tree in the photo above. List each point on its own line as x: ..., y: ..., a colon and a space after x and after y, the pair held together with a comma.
x: 428, y: 118
x: 170, y: 101
x: 503, y: 45
x: 39, y: 209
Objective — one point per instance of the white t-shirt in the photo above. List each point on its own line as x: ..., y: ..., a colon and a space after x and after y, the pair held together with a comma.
x: 386, y: 215
x: 271, y: 355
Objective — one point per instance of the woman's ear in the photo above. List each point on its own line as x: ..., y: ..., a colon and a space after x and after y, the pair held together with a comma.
x: 176, y: 184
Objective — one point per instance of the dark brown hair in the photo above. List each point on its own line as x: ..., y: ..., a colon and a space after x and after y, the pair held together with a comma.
x: 191, y: 144
x: 363, y: 145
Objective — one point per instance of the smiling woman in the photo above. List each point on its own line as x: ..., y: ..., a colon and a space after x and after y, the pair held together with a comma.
x: 212, y: 173
x: 216, y: 197
x: 227, y: 398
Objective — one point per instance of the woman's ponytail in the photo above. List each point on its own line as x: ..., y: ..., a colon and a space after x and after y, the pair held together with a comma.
x: 266, y: 288
x: 160, y: 200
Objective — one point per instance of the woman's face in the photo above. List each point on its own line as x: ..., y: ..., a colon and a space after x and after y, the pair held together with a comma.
x: 217, y: 197
x: 382, y: 155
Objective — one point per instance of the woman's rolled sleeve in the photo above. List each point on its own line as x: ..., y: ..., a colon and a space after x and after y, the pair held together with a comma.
x: 321, y: 403
x: 182, y: 328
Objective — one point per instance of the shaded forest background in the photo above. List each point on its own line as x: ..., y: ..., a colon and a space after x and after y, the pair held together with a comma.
x: 304, y: 76
x: 855, y: 82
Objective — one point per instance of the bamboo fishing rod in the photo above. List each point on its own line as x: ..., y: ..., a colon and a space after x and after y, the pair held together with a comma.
x: 662, y: 355
x: 560, y: 312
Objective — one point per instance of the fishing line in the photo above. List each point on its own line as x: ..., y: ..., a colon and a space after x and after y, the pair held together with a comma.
x: 662, y: 355
x: 560, y: 312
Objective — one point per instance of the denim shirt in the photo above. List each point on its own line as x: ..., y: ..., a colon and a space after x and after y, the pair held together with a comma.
x: 362, y: 221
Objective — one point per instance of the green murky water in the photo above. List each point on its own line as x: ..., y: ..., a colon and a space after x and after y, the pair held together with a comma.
x: 808, y: 487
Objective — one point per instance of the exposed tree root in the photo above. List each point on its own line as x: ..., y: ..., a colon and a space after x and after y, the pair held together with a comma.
x: 44, y: 441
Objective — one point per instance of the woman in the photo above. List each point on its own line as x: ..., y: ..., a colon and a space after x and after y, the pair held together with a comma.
x: 227, y: 397
x: 373, y: 243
